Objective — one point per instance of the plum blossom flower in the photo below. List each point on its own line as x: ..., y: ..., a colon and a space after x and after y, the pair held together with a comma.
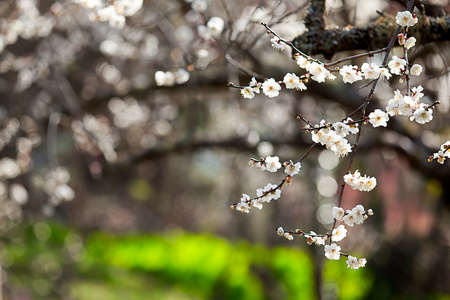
x: 339, y: 233
x: 333, y: 251
x: 247, y: 92
x: 293, y: 169
x: 378, y: 118
x: 338, y: 213
x: 410, y: 42
x: 318, y: 72
x: 397, y: 65
x: 271, y: 88
x: 350, y: 74
x: 423, y: 115
x: 355, y: 263
x: 292, y: 81
x: 405, y: 18
x: 371, y: 71
x: 272, y: 163
x: 277, y: 44
x: 215, y: 26
x: 416, y: 69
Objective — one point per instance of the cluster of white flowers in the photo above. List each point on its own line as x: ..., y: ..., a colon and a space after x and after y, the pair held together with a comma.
x: 351, y: 217
x: 410, y: 106
x: 361, y: 183
x: 56, y: 186
x: 266, y: 194
x: 113, y: 12
x: 332, y: 136
x: 355, y: 263
x: 442, y: 154
x: 272, y: 164
x: 286, y: 234
x: 171, y: 78
x: 316, y: 70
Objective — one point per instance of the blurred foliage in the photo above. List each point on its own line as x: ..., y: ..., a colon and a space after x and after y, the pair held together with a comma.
x: 60, y: 262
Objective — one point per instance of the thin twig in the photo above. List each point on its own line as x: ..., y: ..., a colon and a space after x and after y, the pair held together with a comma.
x: 244, y: 69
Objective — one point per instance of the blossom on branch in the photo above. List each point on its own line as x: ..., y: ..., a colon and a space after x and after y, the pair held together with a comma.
x: 378, y: 118
x: 271, y: 88
x: 405, y: 18
x: 397, y: 65
x: 333, y: 251
x: 277, y: 44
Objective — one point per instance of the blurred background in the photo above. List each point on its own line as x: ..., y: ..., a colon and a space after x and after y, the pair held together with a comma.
x: 117, y: 184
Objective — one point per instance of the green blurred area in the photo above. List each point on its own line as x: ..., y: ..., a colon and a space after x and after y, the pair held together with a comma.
x: 51, y: 261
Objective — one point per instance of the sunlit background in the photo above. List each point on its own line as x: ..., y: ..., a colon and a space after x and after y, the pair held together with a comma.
x: 116, y: 183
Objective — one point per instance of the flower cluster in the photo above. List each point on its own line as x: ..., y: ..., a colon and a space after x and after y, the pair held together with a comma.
x: 171, y: 78
x: 442, y: 154
x: 409, y: 105
x: 272, y: 164
x: 113, y: 12
x: 266, y: 194
x: 332, y: 136
x: 362, y: 183
x: 351, y: 217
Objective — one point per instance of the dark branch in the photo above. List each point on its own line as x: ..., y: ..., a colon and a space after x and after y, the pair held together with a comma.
x: 373, y: 36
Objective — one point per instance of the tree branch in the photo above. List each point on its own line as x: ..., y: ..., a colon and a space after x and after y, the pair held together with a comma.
x: 373, y: 36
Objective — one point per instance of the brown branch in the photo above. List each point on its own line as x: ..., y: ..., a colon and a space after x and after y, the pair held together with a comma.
x: 373, y: 36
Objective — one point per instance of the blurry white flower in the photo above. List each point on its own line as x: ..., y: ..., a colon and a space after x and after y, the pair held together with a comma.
x: 410, y: 42
x: 277, y: 44
x: 215, y: 26
x: 416, y: 70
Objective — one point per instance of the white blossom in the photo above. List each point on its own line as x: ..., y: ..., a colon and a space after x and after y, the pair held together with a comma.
x: 247, y: 92
x: 271, y: 88
x: 371, y: 71
x: 292, y: 81
x: 350, y: 74
x: 405, y: 18
x: 378, y: 118
x: 277, y: 44
x: 333, y: 251
x: 339, y: 233
x: 416, y: 69
x: 410, y: 42
x: 423, y: 115
x: 338, y: 213
x: 397, y: 65
x: 215, y: 26
x: 293, y: 169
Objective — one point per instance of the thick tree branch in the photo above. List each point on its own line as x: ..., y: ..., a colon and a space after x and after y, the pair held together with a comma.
x: 373, y: 36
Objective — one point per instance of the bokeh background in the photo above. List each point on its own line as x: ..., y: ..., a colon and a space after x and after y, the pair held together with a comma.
x: 115, y: 187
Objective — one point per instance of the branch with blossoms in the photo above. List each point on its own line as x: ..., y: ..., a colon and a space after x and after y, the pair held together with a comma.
x: 334, y: 135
